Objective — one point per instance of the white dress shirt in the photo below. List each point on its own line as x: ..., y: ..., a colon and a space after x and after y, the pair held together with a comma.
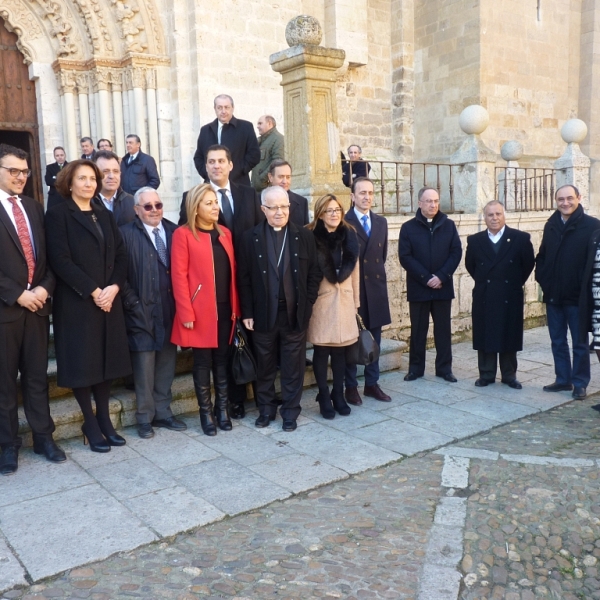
x: 161, y: 232
x: 360, y: 215
x: 496, y: 238
x: 216, y: 189
x: 109, y: 202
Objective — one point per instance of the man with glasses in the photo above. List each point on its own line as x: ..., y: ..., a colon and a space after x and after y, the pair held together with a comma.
x: 559, y: 270
x: 279, y: 278
x: 105, y: 144
x: 430, y: 251
x: 26, y: 284
x: 149, y: 312
x: 112, y: 196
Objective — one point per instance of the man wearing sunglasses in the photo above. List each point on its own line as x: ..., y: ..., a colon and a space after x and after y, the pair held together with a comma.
x: 26, y: 284
x: 112, y: 196
x: 149, y: 313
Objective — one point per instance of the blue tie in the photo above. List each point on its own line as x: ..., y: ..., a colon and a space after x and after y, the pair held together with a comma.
x: 161, y: 248
x: 365, y: 222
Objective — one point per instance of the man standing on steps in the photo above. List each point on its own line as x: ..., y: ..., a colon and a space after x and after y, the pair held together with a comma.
x: 560, y: 265
x: 26, y: 283
x: 271, y: 144
x: 374, y: 308
x: 499, y: 259
x: 429, y: 249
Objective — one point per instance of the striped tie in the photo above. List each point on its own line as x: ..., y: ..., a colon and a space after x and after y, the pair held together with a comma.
x: 24, y: 237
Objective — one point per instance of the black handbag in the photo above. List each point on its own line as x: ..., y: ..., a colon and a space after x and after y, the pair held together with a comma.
x: 367, y: 350
x: 243, y: 364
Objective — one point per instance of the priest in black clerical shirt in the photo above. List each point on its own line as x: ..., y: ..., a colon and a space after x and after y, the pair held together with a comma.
x: 278, y: 281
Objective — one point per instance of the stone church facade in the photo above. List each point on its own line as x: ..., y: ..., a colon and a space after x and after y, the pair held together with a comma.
x: 107, y: 68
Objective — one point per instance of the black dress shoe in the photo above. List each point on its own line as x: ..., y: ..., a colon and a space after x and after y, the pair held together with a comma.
x: 374, y: 391
x: 237, y: 411
x: 482, y: 382
x: 49, y: 449
x: 99, y: 446
x: 263, y: 421
x: 9, y: 460
x: 515, y: 384
x: 289, y: 425
x: 115, y: 439
x: 579, y: 392
x: 170, y: 423
x: 145, y: 431
x: 449, y: 377
x: 410, y: 376
x: 558, y: 387
x: 352, y: 396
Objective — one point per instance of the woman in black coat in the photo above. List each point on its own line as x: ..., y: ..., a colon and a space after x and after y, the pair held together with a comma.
x: 87, y: 254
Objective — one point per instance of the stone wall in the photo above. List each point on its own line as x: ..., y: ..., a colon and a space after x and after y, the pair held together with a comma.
x: 467, y: 225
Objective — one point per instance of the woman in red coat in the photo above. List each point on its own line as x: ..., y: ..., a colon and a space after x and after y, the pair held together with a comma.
x: 206, y: 299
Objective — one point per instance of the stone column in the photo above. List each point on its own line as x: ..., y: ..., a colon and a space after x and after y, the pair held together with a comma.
x: 153, y: 146
x: 507, y: 180
x: 474, y: 171
x: 83, y: 89
x: 117, y: 98
x: 139, y: 111
x: 67, y: 87
x: 103, y: 114
x: 573, y: 167
x: 310, y: 109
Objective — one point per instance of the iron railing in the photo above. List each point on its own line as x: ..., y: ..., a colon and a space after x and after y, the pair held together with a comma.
x: 530, y: 189
x: 397, y: 184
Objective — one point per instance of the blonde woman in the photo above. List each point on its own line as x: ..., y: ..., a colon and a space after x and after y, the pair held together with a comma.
x: 333, y: 328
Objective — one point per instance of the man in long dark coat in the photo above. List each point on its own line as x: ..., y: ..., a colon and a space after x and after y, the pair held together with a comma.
x: 500, y: 259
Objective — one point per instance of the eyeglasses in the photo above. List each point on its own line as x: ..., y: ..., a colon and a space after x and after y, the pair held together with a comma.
x: 17, y: 172
x: 151, y: 207
x: 278, y: 208
x: 333, y: 211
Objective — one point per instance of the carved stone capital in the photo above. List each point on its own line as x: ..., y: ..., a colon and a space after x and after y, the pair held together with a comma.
x: 82, y: 81
x: 67, y: 81
x: 101, y: 79
x: 138, y: 77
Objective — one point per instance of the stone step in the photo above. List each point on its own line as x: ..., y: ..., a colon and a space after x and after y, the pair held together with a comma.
x: 68, y: 419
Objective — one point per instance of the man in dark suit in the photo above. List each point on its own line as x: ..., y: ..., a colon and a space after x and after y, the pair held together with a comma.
x: 52, y: 171
x: 138, y: 169
x: 87, y: 148
x: 236, y: 134
x: 149, y: 312
x: 26, y: 283
x: 279, y: 276
x: 280, y: 173
x: 111, y: 195
x: 355, y: 166
x: 374, y: 308
x: 499, y: 259
x: 430, y: 250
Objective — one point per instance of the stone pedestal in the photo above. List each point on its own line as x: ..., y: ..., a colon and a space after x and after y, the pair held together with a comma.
x: 509, y: 179
x: 573, y: 167
x: 310, y: 111
x: 474, y: 175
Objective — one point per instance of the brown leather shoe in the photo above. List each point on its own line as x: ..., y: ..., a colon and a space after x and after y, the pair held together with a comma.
x: 374, y: 391
x: 352, y: 396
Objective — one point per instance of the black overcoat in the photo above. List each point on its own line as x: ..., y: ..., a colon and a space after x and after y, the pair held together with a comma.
x: 586, y: 299
x: 253, y: 264
x: 497, y: 311
x: 52, y: 171
x: 425, y: 251
x: 374, y: 301
x: 298, y: 209
x: 91, y: 345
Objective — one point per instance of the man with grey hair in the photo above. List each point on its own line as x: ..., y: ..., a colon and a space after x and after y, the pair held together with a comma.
x: 499, y: 259
x: 355, y: 166
x: 279, y: 276
x: 271, y: 144
x: 237, y: 135
x: 87, y: 148
x: 149, y: 312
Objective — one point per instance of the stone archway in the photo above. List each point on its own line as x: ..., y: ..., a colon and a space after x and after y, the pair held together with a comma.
x: 18, y: 110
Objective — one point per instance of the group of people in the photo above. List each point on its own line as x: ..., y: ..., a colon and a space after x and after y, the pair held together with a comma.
x: 128, y: 286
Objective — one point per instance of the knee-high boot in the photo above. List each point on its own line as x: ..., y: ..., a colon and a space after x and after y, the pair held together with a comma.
x: 202, y: 386
x: 221, y: 397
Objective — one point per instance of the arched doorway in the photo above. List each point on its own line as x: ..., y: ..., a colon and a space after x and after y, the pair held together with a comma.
x: 18, y: 110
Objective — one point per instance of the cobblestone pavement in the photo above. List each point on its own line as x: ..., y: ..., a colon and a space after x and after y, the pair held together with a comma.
x: 513, y: 513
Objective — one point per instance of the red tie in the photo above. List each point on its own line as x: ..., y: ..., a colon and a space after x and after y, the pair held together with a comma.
x: 24, y: 238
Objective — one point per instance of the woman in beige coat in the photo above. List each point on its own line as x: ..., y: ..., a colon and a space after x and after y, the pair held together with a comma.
x: 333, y: 328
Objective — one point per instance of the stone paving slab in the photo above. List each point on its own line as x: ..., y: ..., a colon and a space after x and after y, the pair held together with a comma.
x: 179, y: 481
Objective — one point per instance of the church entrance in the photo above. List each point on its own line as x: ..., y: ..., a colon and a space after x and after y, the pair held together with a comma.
x: 18, y: 110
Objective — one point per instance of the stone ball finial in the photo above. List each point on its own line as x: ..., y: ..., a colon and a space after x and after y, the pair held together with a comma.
x: 574, y: 130
x: 511, y: 150
x: 302, y: 30
x: 474, y: 119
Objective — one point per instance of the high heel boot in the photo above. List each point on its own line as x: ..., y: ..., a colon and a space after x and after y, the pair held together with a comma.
x: 325, y: 405
x: 202, y: 386
x: 339, y: 403
x: 221, y: 397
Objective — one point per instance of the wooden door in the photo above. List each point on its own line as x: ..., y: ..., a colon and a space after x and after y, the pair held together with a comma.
x: 18, y: 109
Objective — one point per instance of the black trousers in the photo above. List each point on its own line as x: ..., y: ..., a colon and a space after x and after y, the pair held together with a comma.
x: 290, y: 346
x: 488, y: 365
x: 24, y: 349
x: 442, y: 335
